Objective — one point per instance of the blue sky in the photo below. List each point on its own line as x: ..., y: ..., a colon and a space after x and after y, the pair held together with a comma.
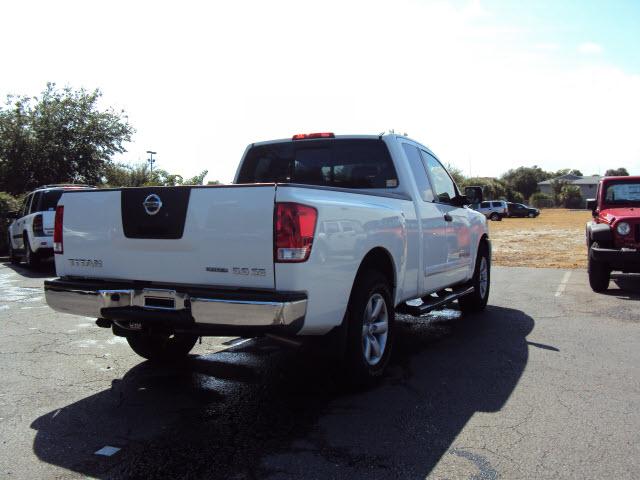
x: 488, y: 85
x: 613, y: 24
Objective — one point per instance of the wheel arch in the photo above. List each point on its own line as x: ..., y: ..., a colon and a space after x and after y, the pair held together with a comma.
x: 379, y: 258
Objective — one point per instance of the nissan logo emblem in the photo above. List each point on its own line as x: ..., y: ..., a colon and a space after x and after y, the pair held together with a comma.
x: 152, y: 204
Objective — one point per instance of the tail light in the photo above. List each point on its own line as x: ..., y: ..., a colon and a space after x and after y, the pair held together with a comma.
x: 37, y: 227
x: 294, y: 226
x: 307, y: 136
x: 57, y: 230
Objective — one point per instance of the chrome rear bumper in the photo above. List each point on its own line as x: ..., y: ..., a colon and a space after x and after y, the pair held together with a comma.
x: 206, y: 308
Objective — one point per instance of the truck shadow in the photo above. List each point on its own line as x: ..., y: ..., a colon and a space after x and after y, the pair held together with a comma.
x: 259, y: 411
x: 628, y: 286
x: 45, y: 269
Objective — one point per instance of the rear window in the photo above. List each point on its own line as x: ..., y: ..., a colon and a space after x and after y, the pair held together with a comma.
x: 346, y: 163
x: 497, y: 204
x: 49, y: 200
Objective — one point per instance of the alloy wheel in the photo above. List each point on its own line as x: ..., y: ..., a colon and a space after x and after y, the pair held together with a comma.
x: 375, y: 329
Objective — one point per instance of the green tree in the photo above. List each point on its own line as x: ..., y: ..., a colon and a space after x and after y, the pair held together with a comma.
x: 567, y: 171
x: 541, y: 200
x: 556, y: 190
x: 616, y: 172
x: 8, y: 203
x: 492, y: 188
x: 525, y: 179
x: 60, y: 136
x: 570, y: 197
x: 456, y: 174
x: 516, y: 197
x: 139, y: 175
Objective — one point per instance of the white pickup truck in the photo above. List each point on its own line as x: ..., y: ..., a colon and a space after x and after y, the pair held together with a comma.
x: 319, y: 235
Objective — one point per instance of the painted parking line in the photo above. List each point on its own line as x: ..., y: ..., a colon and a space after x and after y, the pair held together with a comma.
x: 563, y: 284
x: 107, y: 451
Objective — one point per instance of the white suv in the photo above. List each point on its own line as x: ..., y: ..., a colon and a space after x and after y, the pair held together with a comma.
x: 494, y: 209
x: 31, y: 232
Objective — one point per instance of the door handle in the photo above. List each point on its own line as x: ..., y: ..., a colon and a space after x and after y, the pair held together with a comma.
x: 448, y: 218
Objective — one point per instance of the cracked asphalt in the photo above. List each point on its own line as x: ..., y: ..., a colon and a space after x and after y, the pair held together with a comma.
x: 544, y: 384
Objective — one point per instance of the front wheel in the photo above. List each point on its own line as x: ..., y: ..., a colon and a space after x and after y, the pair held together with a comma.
x: 532, y: 215
x: 495, y: 217
x: 370, y: 334
x: 162, y: 347
x: 481, y: 282
x: 599, y: 274
x: 13, y: 258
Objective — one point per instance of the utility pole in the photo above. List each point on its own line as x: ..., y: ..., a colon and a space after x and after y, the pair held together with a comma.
x: 150, y: 159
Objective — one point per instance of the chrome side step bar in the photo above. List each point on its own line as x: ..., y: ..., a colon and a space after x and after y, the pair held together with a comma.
x: 431, y: 302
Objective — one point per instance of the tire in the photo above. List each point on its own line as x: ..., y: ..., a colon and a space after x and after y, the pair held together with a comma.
x: 599, y: 274
x: 495, y: 217
x: 481, y: 281
x: 162, y: 347
x: 532, y: 215
x: 30, y: 257
x: 370, y: 328
x: 13, y: 258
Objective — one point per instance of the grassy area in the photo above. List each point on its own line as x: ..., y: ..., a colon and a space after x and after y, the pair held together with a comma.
x: 555, y: 239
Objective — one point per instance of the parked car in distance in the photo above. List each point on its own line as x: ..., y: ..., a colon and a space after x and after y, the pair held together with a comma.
x: 494, y: 209
x: 319, y: 238
x: 31, y: 231
x: 520, y: 210
x: 613, y: 237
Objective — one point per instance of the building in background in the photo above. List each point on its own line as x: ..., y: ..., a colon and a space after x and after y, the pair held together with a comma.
x: 587, y: 185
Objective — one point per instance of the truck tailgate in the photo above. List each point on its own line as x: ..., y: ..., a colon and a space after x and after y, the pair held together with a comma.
x: 199, y: 235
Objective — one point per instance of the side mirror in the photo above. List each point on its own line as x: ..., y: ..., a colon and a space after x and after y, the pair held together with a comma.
x: 473, y: 195
x: 460, y: 201
x: 592, y: 204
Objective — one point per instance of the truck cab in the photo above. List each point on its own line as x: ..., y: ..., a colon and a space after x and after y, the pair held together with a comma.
x: 613, y: 236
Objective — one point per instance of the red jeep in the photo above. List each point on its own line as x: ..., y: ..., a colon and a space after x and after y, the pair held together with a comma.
x: 613, y: 237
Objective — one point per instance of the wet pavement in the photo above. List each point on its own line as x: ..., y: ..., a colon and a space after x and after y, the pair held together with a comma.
x: 544, y: 384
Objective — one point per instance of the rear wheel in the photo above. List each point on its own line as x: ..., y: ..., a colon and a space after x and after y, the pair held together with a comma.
x: 481, y: 282
x: 599, y: 273
x: 370, y: 334
x: 162, y: 347
x: 495, y: 217
x: 30, y: 257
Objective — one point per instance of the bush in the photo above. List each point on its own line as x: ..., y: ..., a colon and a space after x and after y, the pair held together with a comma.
x: 515, y: 197
x: 570, y: 197
x: 8, y: 204
x: 541, y: 200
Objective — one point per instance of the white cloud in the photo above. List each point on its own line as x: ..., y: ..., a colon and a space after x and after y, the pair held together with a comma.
x: 202, y: 81
x: 547, y: 47
x: 590, y: 48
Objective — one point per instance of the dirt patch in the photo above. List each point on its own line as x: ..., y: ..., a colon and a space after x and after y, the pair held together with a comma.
x: 555, y: 239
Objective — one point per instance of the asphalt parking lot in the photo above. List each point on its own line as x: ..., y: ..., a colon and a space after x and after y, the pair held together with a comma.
x: 545, y: 384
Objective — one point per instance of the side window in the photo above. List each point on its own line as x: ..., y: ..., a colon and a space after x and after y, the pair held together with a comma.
x: 419, y: 173
x: 444, y: 187
x: 35, y: 203
x: 497, y: 204
x: 484, y: 205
